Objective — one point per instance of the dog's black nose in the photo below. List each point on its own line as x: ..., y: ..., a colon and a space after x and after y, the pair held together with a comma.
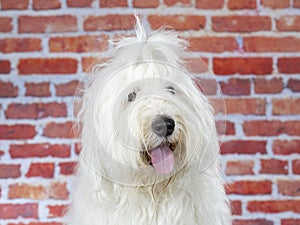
x: 163, y: 126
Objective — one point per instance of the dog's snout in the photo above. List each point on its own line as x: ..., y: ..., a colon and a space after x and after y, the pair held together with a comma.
x: 163, y: 126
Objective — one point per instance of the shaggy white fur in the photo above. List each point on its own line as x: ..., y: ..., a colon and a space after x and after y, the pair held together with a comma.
x: 149, y: 143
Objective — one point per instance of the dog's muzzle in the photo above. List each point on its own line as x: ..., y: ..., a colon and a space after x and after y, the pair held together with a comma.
x: 161, y: 157
x: 163, y: 126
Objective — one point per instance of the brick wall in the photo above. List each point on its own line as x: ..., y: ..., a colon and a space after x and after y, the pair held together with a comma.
x: 253, y: 46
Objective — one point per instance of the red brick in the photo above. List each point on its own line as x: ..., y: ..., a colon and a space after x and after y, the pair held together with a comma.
x: 10, y: 171
x: 36, y: 110
x: 87, y: 63
x: 296, y: 166
x: 249, y: 187
x: 47, y: 66
x: 276, y: 4
x: 296, y: 4
x: 38, y: 89
x: 145, y: 4
x: 4, y: 67
x: 59, y: 130
x: 286, y: 147
x: 274, y: 206
x: 20, y: 131
x: 236, y: 207
x: 274, y: 166
x: 292, y: 127
x: 207, y: 86
x: 177, y: 21
x: 67, y: 89
x: 255, y: 106
x: 241, y: 23
x: 252, y: 222
x: 268, y: 86
x: 218, y: 105
x: 177, y: 2
x: 113, y: 3
x: 40, y: 150
x: 290, y: 222
x: 67, y: 168
x: 240, y: 167
x: 289, y: 187
x: 229, y: 128
x: 243, y: 147
x: 78, y: 44
x: 286, y: 106
x: 58, y: 190
x: 14, y: 4
x: 8, y: 89
x: 56, y: 211
x: 198, y: 65
x: 6, y: 24
x: 27, y: 191
x: 236, y: 86
x: 228, y: 66
x: 14, y: 211
x: 263, y: 128
x: 79, y: 3
x: 46, y: 4
x: 289, y: 65
x: 45, y: 170
x: 47, y: 24
x: 208, y: 4
x: 271, y: 44
x: 241, y: 4
x: 109, y: 22
x: 213, y: 44
x: 288, y: 23
x: 294, y: 85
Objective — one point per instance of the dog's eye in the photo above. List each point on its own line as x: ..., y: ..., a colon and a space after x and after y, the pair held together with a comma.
x: 171, y: 90
x: 132, y: 96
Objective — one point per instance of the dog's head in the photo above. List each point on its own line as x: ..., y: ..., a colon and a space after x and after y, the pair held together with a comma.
x: 144, y: 119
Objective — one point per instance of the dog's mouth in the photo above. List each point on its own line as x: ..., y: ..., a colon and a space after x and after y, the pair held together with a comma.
x: 161, y: 157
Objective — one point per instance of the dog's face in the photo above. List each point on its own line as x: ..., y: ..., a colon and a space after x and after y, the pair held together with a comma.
x: 151, y: 118
x: 144, y: 119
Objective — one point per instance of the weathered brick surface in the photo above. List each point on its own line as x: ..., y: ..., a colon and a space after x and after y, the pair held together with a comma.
x: 250, y: 187
x: 230, y: 66
x: 14, y: 4
x: 276, y: 4
x: 47, y: 24
x: 47, y: 66
x: 78, y: 44
x: 46, y: 4
x: 178, y: 22
x: 213, y: 44
x: 6, y: 24
x: 240, y: 167
x: 4, y: 66
x: 109, y: 22
x: 253, y: 46
x: 35, y: 110
x: 241, y: 4
x: 241, y: 23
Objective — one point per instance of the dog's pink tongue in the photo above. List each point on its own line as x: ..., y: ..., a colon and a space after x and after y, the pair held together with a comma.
x: 162, y: 159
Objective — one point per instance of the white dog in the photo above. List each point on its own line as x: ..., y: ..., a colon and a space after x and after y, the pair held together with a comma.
x: 149, y: 143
